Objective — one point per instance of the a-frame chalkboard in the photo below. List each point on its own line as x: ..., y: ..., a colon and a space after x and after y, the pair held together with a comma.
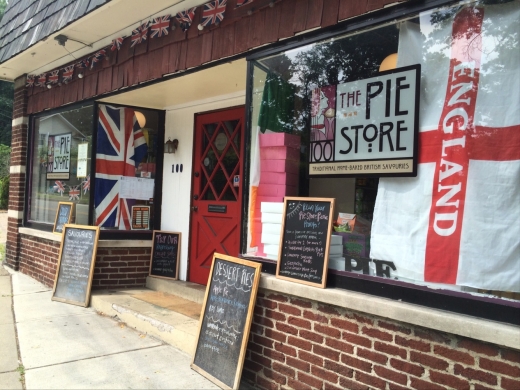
x: 226, y: 320
x: 304, y: 244
x: 76, y: 264
x: 64, y: 215
x: 164, y: 261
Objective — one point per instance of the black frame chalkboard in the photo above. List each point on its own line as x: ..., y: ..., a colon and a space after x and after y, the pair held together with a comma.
x: 75, y: 268
x: 59, y: 221
x: 303, y: 256
x: 226, y: 318
x: 166, y: 247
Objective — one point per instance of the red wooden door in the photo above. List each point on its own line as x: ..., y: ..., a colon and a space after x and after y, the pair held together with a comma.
x: 217, y: 189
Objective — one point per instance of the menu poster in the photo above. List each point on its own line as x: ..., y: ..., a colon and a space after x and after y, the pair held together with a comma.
x: 166, y: 247
x: 140, y: 217
x: 63, y: 216
x: 305, y: 240
x: 226, y: 320
x: 76, y: 264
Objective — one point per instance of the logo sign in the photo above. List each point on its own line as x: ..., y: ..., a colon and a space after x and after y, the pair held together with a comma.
x: 367, y: 127
x: 58, y: 156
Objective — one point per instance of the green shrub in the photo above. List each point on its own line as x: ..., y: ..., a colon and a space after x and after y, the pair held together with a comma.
x: 4, y: 193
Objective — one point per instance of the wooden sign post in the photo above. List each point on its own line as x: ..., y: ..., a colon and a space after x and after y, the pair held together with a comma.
x: 63, y: 216
x: 305, y: 240
x: 226, y: 320
x: 76, y: 264
x: 165, y: 254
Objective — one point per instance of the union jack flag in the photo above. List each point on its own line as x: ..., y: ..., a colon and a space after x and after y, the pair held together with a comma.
x: 240, y: 3
x: 140, y: 34
x: 160, y: 26
x: 83, y: 64
x: 86, y: 184
x: 67, y: 74
x: 59, y: 186
x: 74, y: 193
x: 213, y: 12
x: 121, y: 147
x: 42, y: 79
x: 117, y: 43
x: 185, y: 18
x: 30, y: 81
x: 97, y: 57
x: 53, y: 77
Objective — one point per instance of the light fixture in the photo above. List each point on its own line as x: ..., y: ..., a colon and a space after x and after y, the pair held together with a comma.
x: 390, y: 62
x: 61, y: 38
x: 80, y: 75
x: 171, y: 146
x: 140, y: 119
x: 200, y: 27
x: 49, y: 86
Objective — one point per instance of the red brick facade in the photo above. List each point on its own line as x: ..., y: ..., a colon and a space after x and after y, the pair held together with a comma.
x: 115, y: 268
x: 302, y: 344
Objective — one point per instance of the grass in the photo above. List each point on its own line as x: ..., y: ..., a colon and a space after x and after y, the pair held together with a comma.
x: 2, y: 252
x: 21, y: 371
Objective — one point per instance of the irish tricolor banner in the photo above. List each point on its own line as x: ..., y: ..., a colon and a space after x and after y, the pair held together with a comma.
x: 458, y: 221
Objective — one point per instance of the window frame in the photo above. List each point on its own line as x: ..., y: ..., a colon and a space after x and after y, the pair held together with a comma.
x: 104, y: 234
x: 485, y: 307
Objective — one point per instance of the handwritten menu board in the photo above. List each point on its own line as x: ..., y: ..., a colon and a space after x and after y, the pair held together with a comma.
x: 305, y: 239
x: 165, y: 254
x: 226, y: 320
x: 76, y: 264
x: 63, y: 216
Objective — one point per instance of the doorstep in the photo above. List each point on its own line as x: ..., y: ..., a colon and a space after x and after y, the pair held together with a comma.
x: 168, y: 310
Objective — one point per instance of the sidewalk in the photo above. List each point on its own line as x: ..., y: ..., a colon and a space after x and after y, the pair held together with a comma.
x: 53, y: 345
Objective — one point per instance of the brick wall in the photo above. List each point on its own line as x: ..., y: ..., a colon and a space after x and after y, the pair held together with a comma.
x: 114, y: 268
x: 301, y: 344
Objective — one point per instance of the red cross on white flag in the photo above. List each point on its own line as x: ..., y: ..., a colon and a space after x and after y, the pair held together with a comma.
x: 457, y: 221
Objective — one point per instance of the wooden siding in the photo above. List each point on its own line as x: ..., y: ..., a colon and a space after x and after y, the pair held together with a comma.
x: 243, y: 28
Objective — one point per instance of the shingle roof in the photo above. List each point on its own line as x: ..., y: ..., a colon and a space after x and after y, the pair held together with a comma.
x: 26, y: 22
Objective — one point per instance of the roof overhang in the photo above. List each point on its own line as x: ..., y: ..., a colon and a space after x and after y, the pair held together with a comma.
x: 115, y: 19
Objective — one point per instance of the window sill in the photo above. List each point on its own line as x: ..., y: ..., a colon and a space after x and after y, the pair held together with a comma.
x: 101, y: 243
x: 444, y: 321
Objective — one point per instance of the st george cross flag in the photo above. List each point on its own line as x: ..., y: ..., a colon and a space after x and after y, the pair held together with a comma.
x: 457, y: 222
x: 67, y: 74
x: 185, y: 18
x: 120, y: 148
x: 160, y: 26
x: 213, y: 12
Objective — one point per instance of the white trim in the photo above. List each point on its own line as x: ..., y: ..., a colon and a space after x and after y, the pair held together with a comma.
x: 23, y: 120
x: 15, y: 214
x: 101, y: 243
x: 14, y: 169
x: 440, y: 320
x: 221, y: 98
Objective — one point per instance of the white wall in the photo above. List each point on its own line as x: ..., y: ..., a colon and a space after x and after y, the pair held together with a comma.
x: 176, y: 196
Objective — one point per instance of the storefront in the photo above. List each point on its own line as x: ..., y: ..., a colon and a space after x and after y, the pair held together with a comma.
x: 407, y: 115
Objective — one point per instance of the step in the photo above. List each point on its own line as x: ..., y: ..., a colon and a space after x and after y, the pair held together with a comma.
x: 165, y: 316
x: 187, y: 290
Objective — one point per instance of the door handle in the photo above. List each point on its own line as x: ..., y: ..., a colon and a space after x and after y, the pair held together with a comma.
x: 194, y: 208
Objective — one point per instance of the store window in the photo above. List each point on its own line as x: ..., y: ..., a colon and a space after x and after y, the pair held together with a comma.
x: 103, y: 159
x: 454, y: 223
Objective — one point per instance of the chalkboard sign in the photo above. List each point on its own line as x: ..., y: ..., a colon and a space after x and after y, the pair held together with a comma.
x: 63, y: 216
x: 76, y: 264
x: 165, y: 254
x: 304, y: 244
x: 226, y: 320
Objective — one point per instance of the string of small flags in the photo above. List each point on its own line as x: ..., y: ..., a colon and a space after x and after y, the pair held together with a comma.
x: 212, y: 14
x: 74, y: 191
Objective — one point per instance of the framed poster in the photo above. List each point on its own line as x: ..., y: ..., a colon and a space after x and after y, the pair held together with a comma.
x: 226, y: 318
x: 58, y: 156
x: 305, y: 240
x: 140, y: 217
x: 76, y: 264
x: 166, y: 247
x: 63, y: 216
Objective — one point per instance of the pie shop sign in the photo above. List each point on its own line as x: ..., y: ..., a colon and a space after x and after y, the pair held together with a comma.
x: 366, y: 127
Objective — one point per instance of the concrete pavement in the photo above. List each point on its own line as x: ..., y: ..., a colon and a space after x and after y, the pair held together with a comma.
x: 54, y: 345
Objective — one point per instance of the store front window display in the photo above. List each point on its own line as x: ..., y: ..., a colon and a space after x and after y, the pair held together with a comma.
x: 102, y: 159
x: 447, y: 217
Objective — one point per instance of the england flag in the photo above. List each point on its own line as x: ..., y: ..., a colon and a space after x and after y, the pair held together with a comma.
x: 457, y: 222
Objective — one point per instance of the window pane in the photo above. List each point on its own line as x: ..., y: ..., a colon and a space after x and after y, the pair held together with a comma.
x: 60, y: 169
x: 453, y: 226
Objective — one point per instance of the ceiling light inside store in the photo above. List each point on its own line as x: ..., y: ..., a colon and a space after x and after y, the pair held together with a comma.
x: 140, y: 119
